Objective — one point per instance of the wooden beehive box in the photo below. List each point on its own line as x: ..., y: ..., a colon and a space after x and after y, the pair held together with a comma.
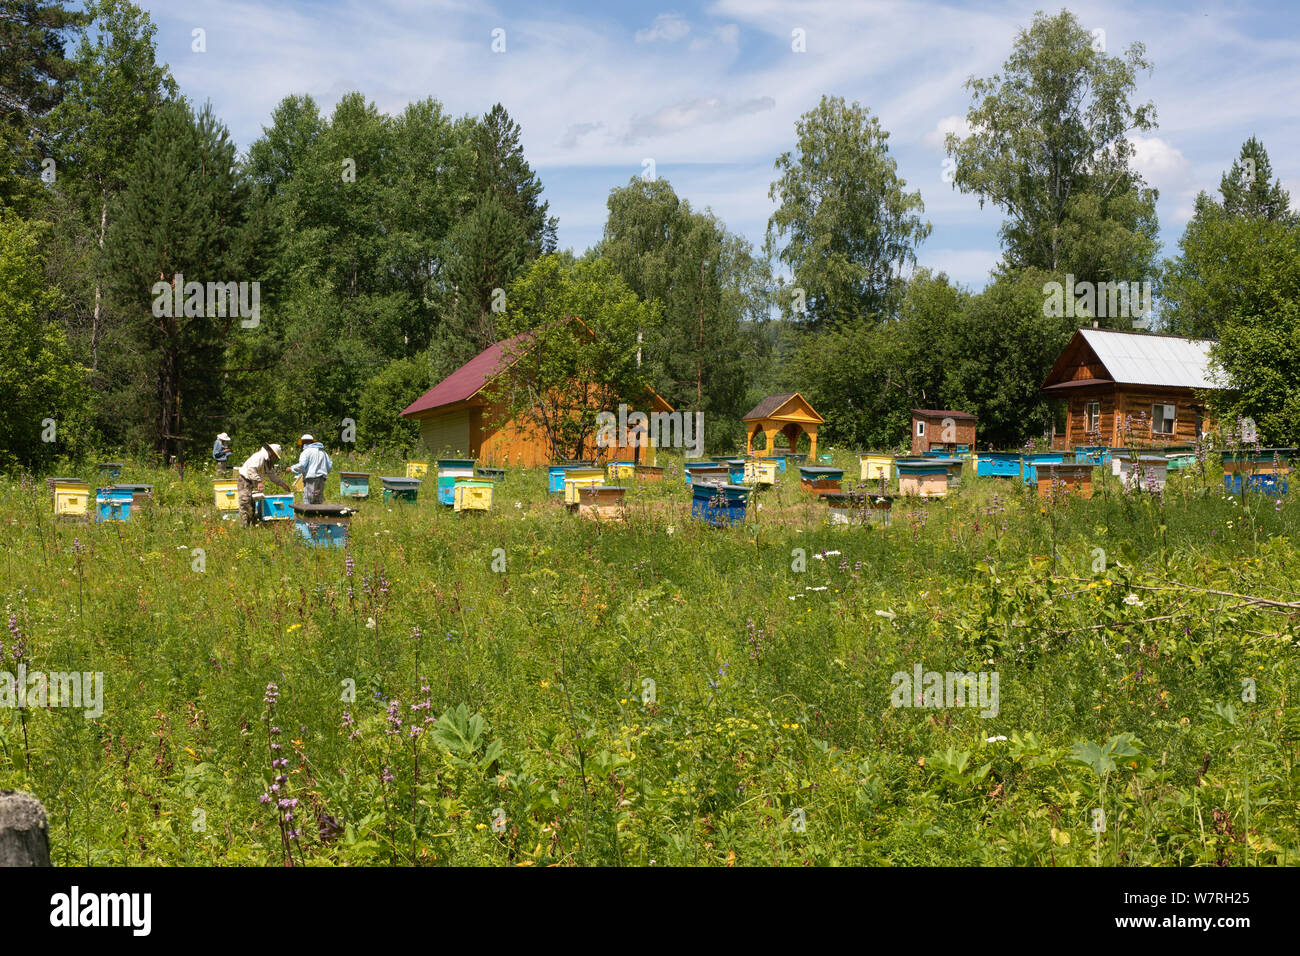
x: 719, y: 505
x: 141, y: 495
x: 577, y: 478
x: 401, y: 489
x: 815, y: 478
x: 735, y: 470
x: 922, y: 477
x: 225, y: 494
x: 1029, y: 463
x: 419, y: 469
x: 472, y: 494
x: 690, y: 467
x: 600, y: 502
x: 273, y: 507
x: 709, y: 475
x: 71, y: 498
x: 354, y: 484
x: 1074, y: 477
x: 1148, y: 473
x: 874, y: 467
x: 323, y: 526
x: 759, y: 471
x: 449, y: 469
x: 998, y: 464
x: 649, y: 473
x: 490, y: 474
x: 111, y: 470
x: 112, y: 504
x: 620, y: 470
x: 856, y: 507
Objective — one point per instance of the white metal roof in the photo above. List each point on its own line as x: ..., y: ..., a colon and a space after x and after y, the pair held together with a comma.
x: 1136, y: 359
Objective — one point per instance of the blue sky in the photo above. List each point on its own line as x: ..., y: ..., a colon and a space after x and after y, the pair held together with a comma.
x: 710, y: 91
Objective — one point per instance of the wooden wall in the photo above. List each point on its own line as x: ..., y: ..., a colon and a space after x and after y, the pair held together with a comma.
x: 1119, y: 401
x: 934, y: 433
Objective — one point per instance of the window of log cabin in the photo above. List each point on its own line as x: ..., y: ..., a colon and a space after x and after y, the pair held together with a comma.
x: 920, y: 429
x: 1162, y: 419
x: 1092, y: 417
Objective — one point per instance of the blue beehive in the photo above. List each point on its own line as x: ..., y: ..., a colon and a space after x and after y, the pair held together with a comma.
x: 999, y: 464
x: 323, y: 526
x: 555, y: 474
x: 449, y: 469
x: 780, y: 462
x: 113, y: 504
x: 1091, y: 455
x: 1265, y: 484
x: 735, y: 470
x: 274, y: 507
x: 1030, y: 473
x: 719, y: 505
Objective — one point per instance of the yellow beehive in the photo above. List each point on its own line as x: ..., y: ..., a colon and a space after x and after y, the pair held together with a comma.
x: 760, y: 472
x: 225, y: 494
x: 472, y: 496
x: 417, y: 469
x: 71, y: 498
x: 875, y: 467
x: 621, y: 469
x: 575, y: 478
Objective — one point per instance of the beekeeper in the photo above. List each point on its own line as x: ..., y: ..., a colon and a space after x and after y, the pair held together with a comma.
x: 221, y: 453
x: 313, y: 467
x: 259, y: 467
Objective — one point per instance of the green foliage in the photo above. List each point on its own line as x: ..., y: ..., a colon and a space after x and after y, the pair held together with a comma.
x: 33, y: 69
x: 394, y: 387
x: 711, y: 290
x: 1049, y: 144
x: 849, y: 228
x: 576, y: 355
x: 38, y: 376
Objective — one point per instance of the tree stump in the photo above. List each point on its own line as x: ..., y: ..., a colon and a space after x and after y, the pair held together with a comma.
x: 24, y: 832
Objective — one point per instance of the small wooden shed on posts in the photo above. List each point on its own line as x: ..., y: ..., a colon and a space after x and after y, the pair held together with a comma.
x: 787, y: 415
x: 942, y: 428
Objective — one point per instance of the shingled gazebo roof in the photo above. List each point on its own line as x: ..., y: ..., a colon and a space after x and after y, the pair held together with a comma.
x: 770, y: 407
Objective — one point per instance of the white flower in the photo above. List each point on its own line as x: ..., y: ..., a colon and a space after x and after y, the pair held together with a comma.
x: 519, y: 504
x: 670, y: 529
x: 370, y: 623
x: 822, y: 588
x: 889, y: 614
x: 1132, y: 599
x: 993, y: 740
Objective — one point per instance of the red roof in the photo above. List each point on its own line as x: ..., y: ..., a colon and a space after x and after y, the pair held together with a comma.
x: 942, y: 413
x: 469, y: 379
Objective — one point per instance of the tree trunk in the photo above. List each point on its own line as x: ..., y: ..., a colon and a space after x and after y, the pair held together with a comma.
x: 99, y: 293
x: 24, y: 831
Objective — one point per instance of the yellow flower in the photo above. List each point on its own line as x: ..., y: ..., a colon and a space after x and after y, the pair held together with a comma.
x: 292, y: 628
x: 480, y: 826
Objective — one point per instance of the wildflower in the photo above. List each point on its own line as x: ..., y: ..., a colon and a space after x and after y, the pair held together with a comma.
x: 887, y: 614
x: 1133, y: 600
x: 370, y: 623
x: 994, y: 740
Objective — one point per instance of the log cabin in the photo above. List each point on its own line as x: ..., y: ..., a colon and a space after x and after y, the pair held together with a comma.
x: 942, y: 429
x: 1131, y: 388
x: 458, y: 418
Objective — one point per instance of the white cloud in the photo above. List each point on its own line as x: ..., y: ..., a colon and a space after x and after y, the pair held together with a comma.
x: 696, y: 112
x: 1161, y: 164
x: 666, y: 26
x: 949, y: 124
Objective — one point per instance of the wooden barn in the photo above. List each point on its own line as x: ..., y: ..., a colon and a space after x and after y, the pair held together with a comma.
x: 1110, y: 379
x: 787, y: 415
x: 458, y: 420
x: 942, y: 429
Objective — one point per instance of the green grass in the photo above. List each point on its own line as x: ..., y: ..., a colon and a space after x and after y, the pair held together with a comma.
x: 663, y: 691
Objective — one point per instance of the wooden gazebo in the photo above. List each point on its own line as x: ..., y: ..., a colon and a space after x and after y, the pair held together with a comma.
x: 786, y: 415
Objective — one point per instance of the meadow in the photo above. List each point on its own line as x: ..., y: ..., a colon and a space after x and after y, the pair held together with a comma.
x: 526, y: 687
